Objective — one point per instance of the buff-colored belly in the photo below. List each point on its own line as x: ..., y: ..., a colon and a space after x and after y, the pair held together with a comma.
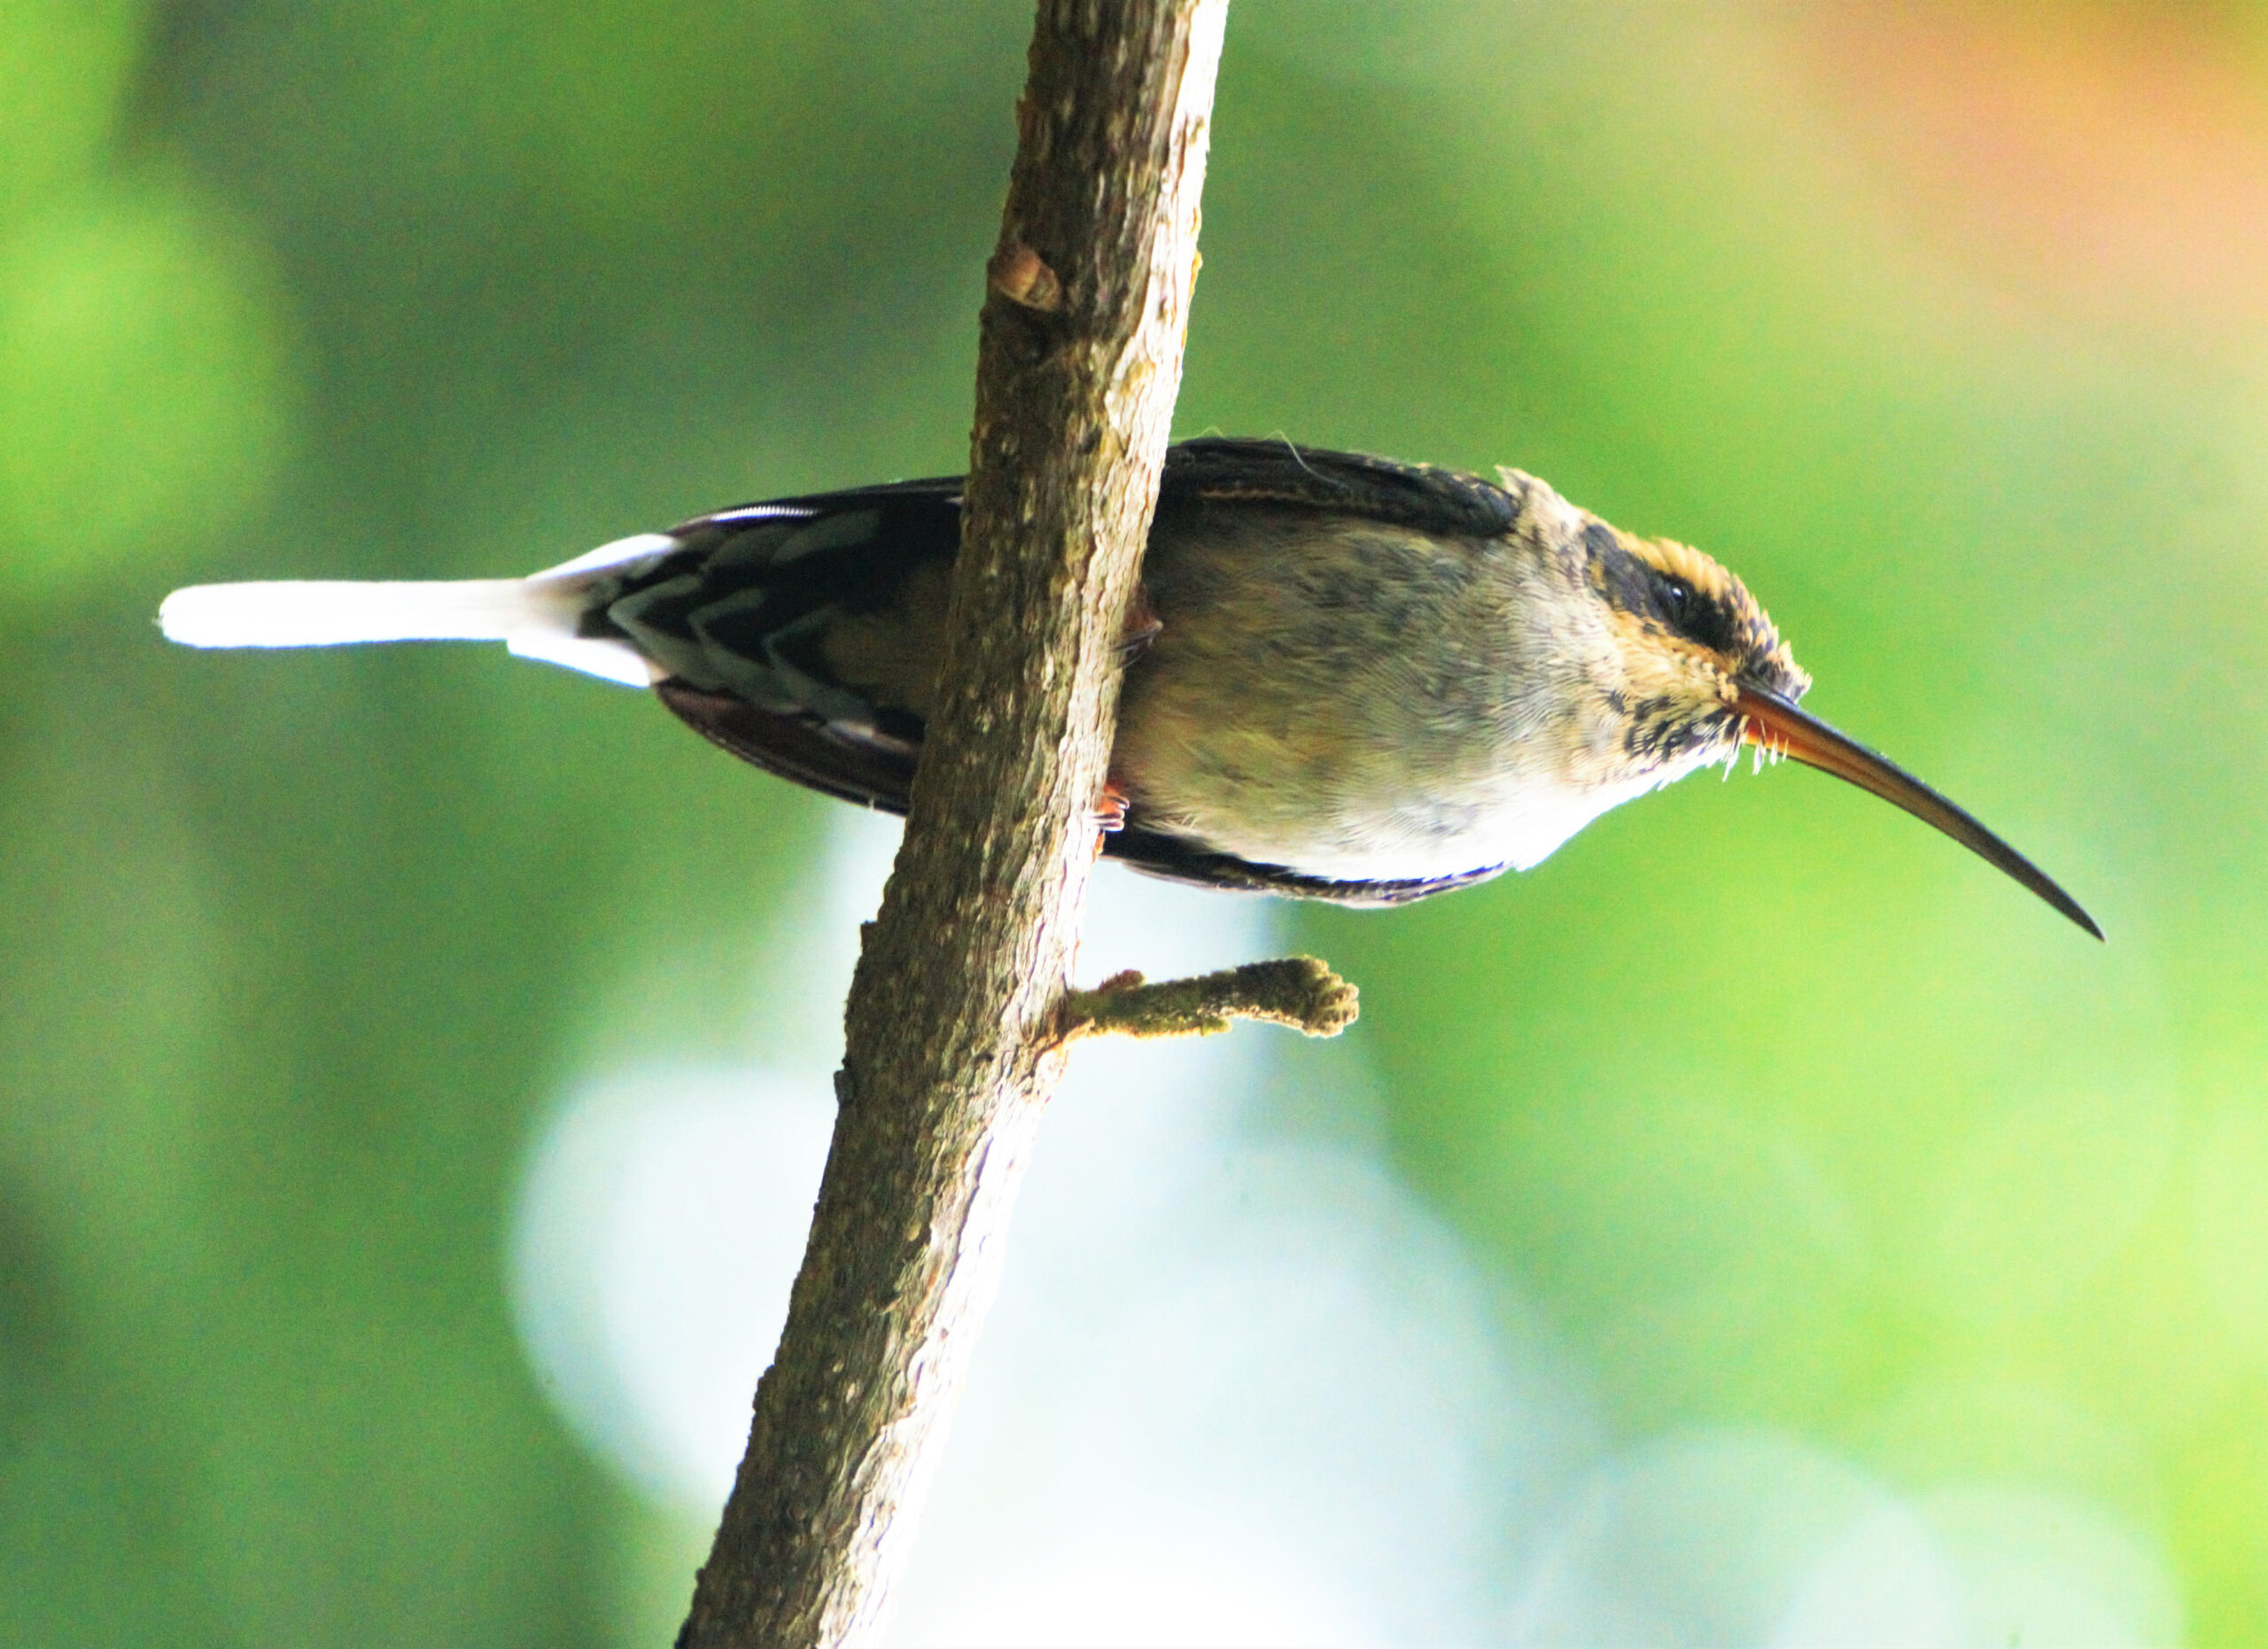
x: 1287, y: 713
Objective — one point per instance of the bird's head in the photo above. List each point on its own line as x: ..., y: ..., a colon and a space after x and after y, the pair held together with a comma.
x: 1689, y: 640
x: 1706, y: 672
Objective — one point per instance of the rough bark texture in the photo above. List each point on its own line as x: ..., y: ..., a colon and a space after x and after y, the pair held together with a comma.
x: 1300, y: 992
x: 951, y: 1048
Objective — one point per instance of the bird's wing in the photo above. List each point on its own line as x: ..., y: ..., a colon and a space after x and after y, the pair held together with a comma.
x: 798, y: 746
x: 1177, y: 859
x: 778, y: 625
x: 800, y: 632
x: 1219, y: 469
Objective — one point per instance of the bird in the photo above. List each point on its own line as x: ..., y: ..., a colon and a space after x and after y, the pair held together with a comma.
x: 1345, y: 678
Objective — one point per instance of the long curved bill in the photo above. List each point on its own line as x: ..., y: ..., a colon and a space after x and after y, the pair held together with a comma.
x: 1778, y: 726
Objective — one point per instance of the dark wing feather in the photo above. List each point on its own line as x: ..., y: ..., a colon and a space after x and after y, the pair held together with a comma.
x: 1221, y: 470
x: 744, y: 604
x: 795, y: 747
x: 1177, y: 859
x: 741, y: 613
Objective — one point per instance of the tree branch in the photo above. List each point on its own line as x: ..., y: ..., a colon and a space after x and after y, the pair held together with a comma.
x: 954, y: 1029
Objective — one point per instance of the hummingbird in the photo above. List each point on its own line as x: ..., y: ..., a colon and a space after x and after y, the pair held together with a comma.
x: 1345, y: 678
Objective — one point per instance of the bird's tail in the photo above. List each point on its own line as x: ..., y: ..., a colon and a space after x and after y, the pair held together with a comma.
x: 308, y: 613
x: 539, y: 617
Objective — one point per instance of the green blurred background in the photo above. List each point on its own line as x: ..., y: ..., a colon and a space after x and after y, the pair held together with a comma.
x: 1946, y: 327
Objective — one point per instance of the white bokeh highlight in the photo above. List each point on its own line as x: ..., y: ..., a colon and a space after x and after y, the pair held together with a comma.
x: 1240, y: 1386
x: 662, y: 1221
x: 1749, y: 1536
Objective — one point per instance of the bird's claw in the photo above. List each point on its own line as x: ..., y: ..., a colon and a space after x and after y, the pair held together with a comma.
x: 1110, y: 810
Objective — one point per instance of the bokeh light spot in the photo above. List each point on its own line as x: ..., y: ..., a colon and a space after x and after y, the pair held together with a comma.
x: 142, y: 384
x: 662, y: 1219
x: 2232, y: 1223
x: 64, y: 69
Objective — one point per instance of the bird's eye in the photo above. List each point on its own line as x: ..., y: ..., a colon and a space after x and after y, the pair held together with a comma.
x: 1688, y: 613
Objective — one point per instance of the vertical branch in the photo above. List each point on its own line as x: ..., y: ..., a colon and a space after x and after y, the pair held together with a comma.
x: 952, y: 1043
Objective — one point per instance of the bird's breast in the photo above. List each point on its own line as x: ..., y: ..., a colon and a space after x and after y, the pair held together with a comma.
x: 1360, y: 702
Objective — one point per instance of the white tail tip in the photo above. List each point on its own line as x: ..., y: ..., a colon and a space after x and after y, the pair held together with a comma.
x: 538, y: 618
x: 328, y: 614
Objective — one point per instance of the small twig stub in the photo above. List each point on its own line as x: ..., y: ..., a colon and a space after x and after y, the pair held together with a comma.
x: 1301, y: 991
x: 1019, y: 274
